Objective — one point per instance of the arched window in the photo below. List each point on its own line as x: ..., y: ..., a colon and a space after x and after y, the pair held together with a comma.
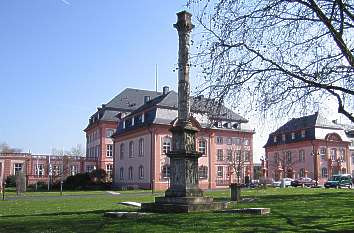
x: 165, y: 171
x: 121, y: 173
x: 131, y: 149
x: 121, y: 151
x: 333, y: 154
x: 202, y: 145
x: 141, y: 147
x: 141, y: 172
x: 301, y: 155
x: 288, y: 157
x: 324, y: 172
x: 130, y: 173
x: 203, y: 172
x: 302, y: 172
x: 166, y: 145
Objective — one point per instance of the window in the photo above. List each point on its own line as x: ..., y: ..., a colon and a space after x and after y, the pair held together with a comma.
x: 293, y: 136
x: 74, y: 170
x: 229, y: 141
x: 352, y: 158
x: 276, y: 157
x: 219, y: 140
x: 220, y: 156
x: 341, y: 154
x: 303, y: 133
x: 97, y: 151
x: 238, y: 155
x: 237, y: 141
x: 109, y: 152
x: 324, y: 172
x: 130, y: 173
x: 56, y: 171
x: 109, y: 169
x: 202, y: 146
x: 39, y: 169
x: 203, y: 172
x: 229, y: 155
x: 17, y: 168
x: 89, y: 168
x: 141, y: 147
x: 333, y: 154
x: 121, y: 173
x: 220, y: 171
x: 166, y: 145
x: 352, y: 173
x: 302, y: 172
x: 166, y: 171
x: 323, y: 153
x: 109, y: 133
x: 283, y: 137
x: 141, y: 172
x: 301, y: 155
x: 288, y: 157
x: 246, y: 156
x: 275, y: 139
x: 131, y: 149
x: 121, y: 151
x: 246, y: 142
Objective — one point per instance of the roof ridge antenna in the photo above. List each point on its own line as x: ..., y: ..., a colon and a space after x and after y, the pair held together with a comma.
x: 156, y: 77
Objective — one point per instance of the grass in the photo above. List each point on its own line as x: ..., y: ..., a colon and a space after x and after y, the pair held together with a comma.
x: 292, y: 210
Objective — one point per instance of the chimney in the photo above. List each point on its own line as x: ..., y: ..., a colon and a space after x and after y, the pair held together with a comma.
x: 165, y: 90
x: 146, y: 99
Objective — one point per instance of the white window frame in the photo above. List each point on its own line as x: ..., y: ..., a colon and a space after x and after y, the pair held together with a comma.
x: 141, y: 147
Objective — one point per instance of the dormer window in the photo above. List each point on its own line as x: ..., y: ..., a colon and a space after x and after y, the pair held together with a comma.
x: 293, y: 136
x: 303, y: 133
x: 275, y: 139
x: 283, y: 137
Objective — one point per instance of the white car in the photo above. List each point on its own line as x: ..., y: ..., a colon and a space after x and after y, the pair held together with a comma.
x: 287, y: 182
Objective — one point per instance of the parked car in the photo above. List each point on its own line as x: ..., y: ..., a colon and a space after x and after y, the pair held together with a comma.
x: 303, y: 181
x: 287, y: 182
x: 338, y: 181
x: 276, y: 183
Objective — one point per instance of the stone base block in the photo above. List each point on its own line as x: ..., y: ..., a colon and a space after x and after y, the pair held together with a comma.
x: 182, y: 208
x: 184, y: 200
x: 125, y: 214
x: 256, y: 211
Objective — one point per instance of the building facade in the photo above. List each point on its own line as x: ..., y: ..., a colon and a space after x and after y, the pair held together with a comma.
x: 42, y: 168
x: 143, y: 139
x: 309, y: 146
x: 103, y: 124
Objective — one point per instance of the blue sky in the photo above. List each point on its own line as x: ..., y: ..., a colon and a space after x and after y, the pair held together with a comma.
x: 59, y: 60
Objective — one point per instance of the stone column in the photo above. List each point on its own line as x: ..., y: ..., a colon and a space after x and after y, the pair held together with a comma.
x: 184, y: 157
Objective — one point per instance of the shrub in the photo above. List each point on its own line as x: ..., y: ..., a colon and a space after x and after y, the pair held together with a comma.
x: 11, y: 181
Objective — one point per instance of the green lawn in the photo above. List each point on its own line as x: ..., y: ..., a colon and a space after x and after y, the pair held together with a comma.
x: 292, y: 210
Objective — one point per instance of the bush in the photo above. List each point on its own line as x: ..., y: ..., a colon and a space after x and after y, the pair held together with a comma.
x: 11, y: 181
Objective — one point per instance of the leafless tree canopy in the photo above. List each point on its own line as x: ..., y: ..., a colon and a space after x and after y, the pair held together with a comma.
x: 277, y: 56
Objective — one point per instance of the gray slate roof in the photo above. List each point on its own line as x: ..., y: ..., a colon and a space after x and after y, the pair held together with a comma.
x: 130, y: 99
x: 314, y: 120
x: 198, y: 105
x: 127, y: 101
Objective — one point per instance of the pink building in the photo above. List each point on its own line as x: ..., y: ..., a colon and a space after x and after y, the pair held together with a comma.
x: 143, y: 139
x: 103, y: 123
x: 309, y: 146
x: 37, y: 168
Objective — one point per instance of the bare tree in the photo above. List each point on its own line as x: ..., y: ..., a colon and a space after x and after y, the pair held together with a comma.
x: 277, y: 56
x: 77, y: 151
x: 5, y: 148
